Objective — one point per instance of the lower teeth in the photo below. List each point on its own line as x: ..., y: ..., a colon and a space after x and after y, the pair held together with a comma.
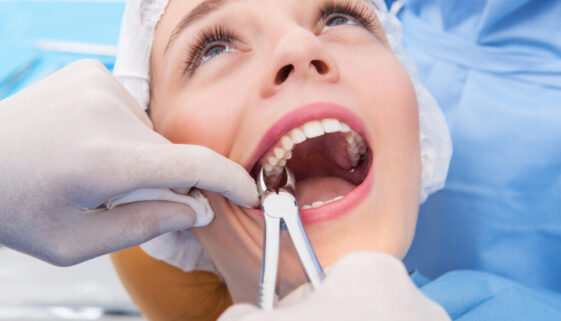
x: 320, y: 203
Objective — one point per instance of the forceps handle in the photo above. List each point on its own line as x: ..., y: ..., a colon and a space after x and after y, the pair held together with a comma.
x: 277, y: 205
x: 304, y: 249
x: 270, y: 262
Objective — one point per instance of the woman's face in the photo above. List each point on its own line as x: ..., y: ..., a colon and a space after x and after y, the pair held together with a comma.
x: 311, y: 83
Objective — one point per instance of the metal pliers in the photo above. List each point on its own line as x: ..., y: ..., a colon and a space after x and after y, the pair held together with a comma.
x: 280, y: 205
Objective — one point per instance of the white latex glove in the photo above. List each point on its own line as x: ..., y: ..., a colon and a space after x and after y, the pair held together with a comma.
x: 361, y: 286
x: 76, y: 140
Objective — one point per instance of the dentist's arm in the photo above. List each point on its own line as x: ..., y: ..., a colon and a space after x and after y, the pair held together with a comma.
x: 73, y: 142
x: 361, y: 286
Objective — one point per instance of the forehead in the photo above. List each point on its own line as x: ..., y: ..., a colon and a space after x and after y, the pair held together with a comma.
x: 200, y: 7
x: 178, y: 12
x: 196, y: 9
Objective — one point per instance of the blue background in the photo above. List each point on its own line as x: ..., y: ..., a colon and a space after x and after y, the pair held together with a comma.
x: 22, y: 23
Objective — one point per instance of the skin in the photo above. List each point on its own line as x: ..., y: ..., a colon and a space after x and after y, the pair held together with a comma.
x: 231, y: 100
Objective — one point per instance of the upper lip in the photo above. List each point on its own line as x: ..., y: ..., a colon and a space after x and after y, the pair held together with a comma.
x: 298, y: 117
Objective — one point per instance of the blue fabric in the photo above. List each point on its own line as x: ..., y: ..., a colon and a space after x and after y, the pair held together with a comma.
x: 479, y: 296
x: 389, y: 3
x: 495, y: 68
x: 23, y: 22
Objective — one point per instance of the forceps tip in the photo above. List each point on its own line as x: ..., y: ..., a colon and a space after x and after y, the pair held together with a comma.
x: 290, y: 183
x: 261, y: 185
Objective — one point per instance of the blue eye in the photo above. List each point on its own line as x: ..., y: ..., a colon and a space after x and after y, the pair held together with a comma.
x: 339, y: 21
x: 339, y: 13
x: 209, y: 43
x: 214, y: 51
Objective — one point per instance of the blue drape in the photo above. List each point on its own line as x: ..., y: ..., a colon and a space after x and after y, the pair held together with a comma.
x: 495, y: 68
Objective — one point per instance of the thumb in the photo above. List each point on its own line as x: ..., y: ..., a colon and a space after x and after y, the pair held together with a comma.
x: 180, y: 166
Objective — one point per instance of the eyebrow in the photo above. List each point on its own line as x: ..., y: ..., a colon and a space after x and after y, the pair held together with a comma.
x: 204, y: 9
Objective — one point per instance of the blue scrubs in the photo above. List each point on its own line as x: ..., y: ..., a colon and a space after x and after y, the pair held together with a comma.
x: 495, y: 68
x: 480, y: 296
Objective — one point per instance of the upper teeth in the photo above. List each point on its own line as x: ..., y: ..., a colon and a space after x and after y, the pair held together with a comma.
x: 275, y: 161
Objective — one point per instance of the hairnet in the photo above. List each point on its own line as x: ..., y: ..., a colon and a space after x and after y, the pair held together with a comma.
x: 132, y: 68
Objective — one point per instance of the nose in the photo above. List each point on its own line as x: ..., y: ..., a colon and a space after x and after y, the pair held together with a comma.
x: 298, y: 56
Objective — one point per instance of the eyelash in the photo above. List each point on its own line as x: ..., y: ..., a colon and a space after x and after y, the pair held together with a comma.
x: 359, y: 13
x: 208, y: 37
x: 219, y: 34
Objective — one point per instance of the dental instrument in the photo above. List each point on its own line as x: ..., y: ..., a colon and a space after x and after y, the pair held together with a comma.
x: 82, y: 48
x: 280, y: 210
x: 14, y: 79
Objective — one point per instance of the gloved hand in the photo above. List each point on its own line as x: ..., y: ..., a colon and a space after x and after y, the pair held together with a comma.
x: 76, y: 140
x: 361, y: 286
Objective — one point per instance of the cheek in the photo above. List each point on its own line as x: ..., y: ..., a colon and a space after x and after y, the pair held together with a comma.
x: 396, y: 134
x: 393, y: 123
x: 397, y: 123
x: 202, y: 121
x: 391, y: 107
x: 398, y: 143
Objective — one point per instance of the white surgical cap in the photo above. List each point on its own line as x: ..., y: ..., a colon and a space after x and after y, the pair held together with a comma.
x: 132, y: 68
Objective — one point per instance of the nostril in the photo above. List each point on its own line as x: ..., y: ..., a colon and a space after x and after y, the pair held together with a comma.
x: 320, y: 66
x: 283, y: 74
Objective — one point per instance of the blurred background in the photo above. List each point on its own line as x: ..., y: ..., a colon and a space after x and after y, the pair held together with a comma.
x: 36, y: 39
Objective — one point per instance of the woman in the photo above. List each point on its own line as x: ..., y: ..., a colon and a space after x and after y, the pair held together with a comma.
x: 313, y: 85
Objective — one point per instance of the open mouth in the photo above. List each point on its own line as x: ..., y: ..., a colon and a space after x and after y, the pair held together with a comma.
x: 328, y: 158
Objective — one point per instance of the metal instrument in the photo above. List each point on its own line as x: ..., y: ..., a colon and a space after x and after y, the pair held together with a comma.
x: 280, y: 208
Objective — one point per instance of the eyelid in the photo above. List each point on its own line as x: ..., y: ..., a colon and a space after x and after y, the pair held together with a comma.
x: 360, y: 12
x: 209, y: 36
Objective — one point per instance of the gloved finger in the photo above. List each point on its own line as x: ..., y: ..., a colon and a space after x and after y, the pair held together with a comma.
x: 376, y: 268
x: 128, y: 225
x: 378, y: 275
x: 179, y: 166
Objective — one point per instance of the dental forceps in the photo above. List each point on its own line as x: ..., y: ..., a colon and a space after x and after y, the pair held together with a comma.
x: 280, y: 206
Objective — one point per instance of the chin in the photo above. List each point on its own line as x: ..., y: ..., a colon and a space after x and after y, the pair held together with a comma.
x: 369, y: 226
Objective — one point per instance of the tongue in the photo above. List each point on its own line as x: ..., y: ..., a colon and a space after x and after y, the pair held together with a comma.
x: 323, y: 189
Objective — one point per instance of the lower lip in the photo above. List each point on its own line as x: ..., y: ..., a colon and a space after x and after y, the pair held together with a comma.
x: 334, y: 209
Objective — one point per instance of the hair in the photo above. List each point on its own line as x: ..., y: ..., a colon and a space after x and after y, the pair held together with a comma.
x: 163, y: 292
